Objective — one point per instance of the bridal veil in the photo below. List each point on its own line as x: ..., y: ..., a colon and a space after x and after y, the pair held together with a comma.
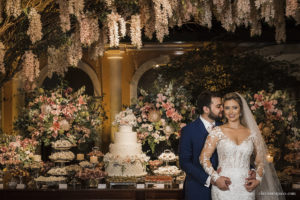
x: 269, y: 188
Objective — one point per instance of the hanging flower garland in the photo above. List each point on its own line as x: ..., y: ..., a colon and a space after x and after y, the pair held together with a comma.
x: 291, y: 8
x: 13, y: 8
x: 135, y: 31
x: 76, y: 7
x: 31, y: 66
x: 89, y: 30
x: 113, y: 29
x: 155, y: 16
x: 74, y: 52
x: 2, y: 54
x: 57, y: 62
x: 163, y: 11
x: 35, y: 26
x: 64, y: 15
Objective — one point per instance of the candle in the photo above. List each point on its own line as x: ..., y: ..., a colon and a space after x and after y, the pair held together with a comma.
x: 80, y: 156
x: 93, y: 159
x: 270, y: 158
x: 37, y: 158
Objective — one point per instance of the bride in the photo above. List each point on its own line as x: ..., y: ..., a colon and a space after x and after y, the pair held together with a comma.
x: 236, y: 142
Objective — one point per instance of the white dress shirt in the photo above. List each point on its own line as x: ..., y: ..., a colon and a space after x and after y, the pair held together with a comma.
x: 208, y: 126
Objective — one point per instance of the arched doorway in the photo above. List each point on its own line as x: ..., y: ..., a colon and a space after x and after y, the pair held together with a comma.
x: 144, y: 69
x: 83, y: 75
x: 72, y: 77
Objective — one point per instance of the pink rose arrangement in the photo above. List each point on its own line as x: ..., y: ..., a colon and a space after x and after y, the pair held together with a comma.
x: 14, y: 150
x: 162, y: 115
x: 61, y: 114
x: 277, y: 117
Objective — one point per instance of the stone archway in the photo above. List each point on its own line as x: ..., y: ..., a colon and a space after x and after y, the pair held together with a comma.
x: 163, y: 59
x: 84, y: 67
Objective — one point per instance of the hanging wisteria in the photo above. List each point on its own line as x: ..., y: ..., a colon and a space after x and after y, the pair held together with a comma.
x: 13, y: 8
x: 135, y: 31
x: 35, y: 26
x: 89, y: 30
x: 2, y: 54
x: 31, y: 66
x: 291, y: 8
x: 57, y: 62
x: 53, y: 22
x: 64, y: 15
x: 74, y: 52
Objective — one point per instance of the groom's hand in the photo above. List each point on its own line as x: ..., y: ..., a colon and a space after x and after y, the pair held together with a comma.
x: 251, y: 175
x: 223, y: 182
x: 251, y: 185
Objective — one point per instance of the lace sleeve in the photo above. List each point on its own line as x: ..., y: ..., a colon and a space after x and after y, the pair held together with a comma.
x: 209, y: 148
x: 259, y: 158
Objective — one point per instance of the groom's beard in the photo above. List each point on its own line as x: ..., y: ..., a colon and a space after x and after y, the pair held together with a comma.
x: 214, y: 117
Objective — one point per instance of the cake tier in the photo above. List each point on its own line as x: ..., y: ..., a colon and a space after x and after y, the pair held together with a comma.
x: 125, y: 138
x: 128, y: 169
x: 125, y: 128
x: 125, y: 149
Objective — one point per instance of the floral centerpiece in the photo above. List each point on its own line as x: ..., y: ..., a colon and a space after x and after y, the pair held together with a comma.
x: 17, y: 151
x: 161, y: 115
x: 61, y: 114
x: 16, y: 154
x: 277, y: 118
x: 125, y: 118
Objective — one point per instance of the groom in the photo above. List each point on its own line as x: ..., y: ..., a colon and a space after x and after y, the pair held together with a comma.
x: 197, y: 182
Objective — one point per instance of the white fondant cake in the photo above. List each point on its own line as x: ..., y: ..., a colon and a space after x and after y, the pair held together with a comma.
x: 125, y: 157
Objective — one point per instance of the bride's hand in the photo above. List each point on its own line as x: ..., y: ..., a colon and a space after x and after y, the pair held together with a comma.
x: 250, y: 185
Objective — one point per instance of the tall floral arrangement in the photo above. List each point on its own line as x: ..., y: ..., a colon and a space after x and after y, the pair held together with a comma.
x: 277, y: 118
x: 61, y: 114
x: 162, y: 115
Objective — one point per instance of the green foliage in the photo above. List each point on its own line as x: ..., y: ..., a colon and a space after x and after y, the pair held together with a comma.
x: 218, y: 68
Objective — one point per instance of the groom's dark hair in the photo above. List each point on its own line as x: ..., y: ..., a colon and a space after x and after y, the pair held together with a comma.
x: 204, y: 99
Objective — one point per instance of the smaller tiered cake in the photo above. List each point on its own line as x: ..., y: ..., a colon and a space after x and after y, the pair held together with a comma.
x: 125, y: 157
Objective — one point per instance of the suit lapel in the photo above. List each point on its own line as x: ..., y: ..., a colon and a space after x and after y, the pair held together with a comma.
x: 201, y: 127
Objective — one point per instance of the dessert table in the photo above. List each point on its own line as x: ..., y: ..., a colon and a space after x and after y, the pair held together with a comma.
x: 94, y: 194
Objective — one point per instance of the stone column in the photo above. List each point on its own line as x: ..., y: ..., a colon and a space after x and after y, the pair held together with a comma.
x: 115, y: 73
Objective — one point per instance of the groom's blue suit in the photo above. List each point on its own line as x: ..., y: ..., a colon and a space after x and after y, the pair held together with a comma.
x: 192, y: 141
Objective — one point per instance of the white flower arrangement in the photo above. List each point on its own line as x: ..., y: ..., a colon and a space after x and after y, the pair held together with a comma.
x: 125, y: 118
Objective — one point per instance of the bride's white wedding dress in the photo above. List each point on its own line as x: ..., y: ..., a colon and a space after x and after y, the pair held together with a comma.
x: 234, y: 159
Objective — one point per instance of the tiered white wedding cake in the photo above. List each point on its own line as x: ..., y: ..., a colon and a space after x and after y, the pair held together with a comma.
x: 125, y: 157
